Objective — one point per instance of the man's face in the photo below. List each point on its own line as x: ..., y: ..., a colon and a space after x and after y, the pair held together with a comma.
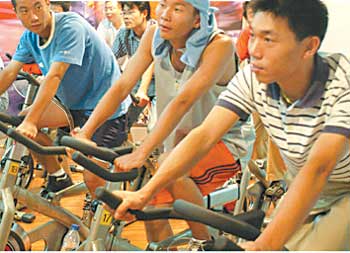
x: 112, y: 10
x: 133, y: 17
x: 34, y: 15
x: 176, y: 19
x: 276, y: 54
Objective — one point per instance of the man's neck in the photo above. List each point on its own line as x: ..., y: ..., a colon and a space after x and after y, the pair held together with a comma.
x: 139, y: 30
x: 45, y: 34
x: 295, y: 86
x: 117, y: 23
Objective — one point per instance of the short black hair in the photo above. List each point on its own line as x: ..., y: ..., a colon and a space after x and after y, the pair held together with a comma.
x: 14, y: 3
x: 144, y: 5
x: 305, y: 17
x: 64, y: 4
x: 245, y: 9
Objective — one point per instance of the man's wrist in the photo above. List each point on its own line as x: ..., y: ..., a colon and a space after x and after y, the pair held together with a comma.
x: 30, y: 119
x: 146, y: 193
x: 85, y: 133
x: 142, y: 153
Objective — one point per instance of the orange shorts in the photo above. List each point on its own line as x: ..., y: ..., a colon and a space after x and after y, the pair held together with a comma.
x: 209, y: 173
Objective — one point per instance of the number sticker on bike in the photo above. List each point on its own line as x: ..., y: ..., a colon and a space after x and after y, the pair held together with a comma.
x: 106, y: 218
x: 14, y: 167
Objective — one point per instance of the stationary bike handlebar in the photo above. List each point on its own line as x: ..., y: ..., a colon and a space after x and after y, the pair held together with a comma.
x: 36, y: 147
x: 102, y: 153
x: 26, y: 76
x: 97, y: 170
x: 61, y: 150
x: 184, y: 210
x: 9, y: 119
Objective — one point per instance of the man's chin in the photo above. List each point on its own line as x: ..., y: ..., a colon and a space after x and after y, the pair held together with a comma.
x: 264, y: 79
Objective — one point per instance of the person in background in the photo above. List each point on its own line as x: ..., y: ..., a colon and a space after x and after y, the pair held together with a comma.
x: 243, y: 38
x: 137, y: 17
x: 113, y: 21
x: 60, y: 6
x: 4, y: 98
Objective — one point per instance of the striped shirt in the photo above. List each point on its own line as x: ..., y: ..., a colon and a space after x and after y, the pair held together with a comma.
x: 126, y: 43
x: 325, y: 108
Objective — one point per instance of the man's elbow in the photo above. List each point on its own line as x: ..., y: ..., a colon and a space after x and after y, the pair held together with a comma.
x: 183, y: 103
x: 204, y: 136
x: 322, y: 170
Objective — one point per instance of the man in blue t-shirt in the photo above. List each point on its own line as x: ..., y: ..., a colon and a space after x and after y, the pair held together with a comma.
x: 78, y: 68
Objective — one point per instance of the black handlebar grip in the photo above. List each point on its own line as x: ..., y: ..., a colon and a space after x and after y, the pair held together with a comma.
x: 9, y: 56
x: 134, y: 99
x: 3, y: 127
x: 114, y: 201
x: 99, y: 152
x: 107, y: 197
x: 12, y: 133
x: 12, y: 120
x: 222, y: 222
x: 101, y: 172
x: 29, y: 78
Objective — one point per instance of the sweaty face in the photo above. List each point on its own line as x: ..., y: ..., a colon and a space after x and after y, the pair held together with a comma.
x: 276, y: 54
x: 176, y: 19
x: 35, y: 16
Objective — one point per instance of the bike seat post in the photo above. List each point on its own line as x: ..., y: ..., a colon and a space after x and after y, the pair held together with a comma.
x: 12, y: 166
x: 30, y: 95
x: 100, y: 224
x: 7, y: 216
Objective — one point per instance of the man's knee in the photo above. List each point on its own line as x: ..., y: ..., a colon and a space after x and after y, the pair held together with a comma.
x: 180, y: 183
x: 92, y: 181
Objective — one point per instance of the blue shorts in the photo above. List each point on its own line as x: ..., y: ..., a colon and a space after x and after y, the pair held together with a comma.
x: 111, y: 134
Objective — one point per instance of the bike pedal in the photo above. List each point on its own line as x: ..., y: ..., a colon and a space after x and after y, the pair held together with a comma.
x: 24, y: 217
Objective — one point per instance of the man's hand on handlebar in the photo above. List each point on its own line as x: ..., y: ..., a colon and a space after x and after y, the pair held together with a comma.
x: 77, y: 133
x: 143, y: 99
x: 28, y: 129
x: 129, y: 161
x: 251, y: 246
x: 131, y: 201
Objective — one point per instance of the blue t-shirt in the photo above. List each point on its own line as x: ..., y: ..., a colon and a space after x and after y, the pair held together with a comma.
x: 93, y: 68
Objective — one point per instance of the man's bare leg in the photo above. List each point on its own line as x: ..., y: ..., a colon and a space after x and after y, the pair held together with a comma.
x: 53, y: 117
x: 186, y: 189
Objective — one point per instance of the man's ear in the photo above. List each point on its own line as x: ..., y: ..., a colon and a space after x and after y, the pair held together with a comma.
x: 145, y: 13
x: 197, y: 22
x: 312, y: 45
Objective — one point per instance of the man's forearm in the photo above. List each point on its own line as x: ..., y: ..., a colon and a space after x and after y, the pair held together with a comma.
x: 146, y: 79
x: 6, y: 79
x: 44, y: 97
x: 180, y: 161
x: 164, y: 126
x: 104, y: 109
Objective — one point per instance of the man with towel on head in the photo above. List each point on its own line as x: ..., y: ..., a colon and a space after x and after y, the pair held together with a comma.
x: 193, y: 64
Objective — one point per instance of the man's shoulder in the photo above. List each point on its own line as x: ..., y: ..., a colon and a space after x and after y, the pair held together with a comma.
x: 28, y: 36
x: 339, y: 66
x: 68, y: 19
x: 122, y: 32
